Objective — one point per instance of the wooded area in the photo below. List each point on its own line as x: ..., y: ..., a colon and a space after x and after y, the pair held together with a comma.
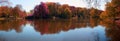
x: 55, y: 10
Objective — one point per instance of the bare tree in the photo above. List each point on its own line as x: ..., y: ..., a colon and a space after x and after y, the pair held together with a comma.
x: 95, y: 3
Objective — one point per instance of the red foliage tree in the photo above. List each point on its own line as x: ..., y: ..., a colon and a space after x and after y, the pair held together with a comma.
x: 41, y: 11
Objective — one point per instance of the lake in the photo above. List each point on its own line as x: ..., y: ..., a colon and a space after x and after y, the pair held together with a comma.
x: 59, y: 30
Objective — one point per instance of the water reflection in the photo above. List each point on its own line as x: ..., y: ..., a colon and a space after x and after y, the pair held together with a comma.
x: 112, y: 30
x: 51, y: 27
x: 7, y: 25
x: 55, y: 26
x: 59, y: 30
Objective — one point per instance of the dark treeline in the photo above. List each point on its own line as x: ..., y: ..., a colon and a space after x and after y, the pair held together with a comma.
x: 56, y: 10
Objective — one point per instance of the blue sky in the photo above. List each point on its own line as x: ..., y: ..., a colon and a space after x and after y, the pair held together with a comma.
x: 28, y: 5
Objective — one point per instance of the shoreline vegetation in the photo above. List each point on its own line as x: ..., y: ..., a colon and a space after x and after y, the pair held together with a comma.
x: 52, y: 10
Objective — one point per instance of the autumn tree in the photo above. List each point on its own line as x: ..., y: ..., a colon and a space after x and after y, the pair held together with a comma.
x: 66, y: 12
x: 12, y: 12
x: 103, y: 15
x: 115, y: 5
x: 112, y: 9
x: 73, y: 10
x: 15, y: 12
x: 54, y: 9
x: 5, y: 11
x: 85, y: 13
x: 79, y: 12
x: 94, y: 13
x: 41, y: 11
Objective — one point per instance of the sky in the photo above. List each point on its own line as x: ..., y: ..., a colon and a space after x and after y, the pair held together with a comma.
x: 28, y: 5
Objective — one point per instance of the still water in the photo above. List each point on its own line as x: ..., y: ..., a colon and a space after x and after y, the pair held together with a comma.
x: 58, y: 30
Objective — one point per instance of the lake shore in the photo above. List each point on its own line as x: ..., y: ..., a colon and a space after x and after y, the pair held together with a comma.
x: 10, y: 18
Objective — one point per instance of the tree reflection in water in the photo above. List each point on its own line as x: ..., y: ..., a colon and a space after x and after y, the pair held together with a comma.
x: 7, y: 25
x: 55, y: 26
x: 112, y: 30
x: 47, y: 26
